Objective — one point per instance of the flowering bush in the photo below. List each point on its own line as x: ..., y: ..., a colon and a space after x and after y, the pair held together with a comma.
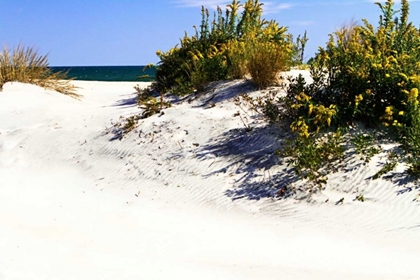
x: 363, y: 74
x: 373, y: 73
x: 229, y: 46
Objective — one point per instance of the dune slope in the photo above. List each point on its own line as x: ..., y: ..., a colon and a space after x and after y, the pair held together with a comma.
x: 188, y: 194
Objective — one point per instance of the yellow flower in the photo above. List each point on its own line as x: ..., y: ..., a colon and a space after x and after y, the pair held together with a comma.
x: 387, y: 76
x: 401, y: 113
x: 415, y: 79
x: 414, y: 93
x: 304, y: 97
x: 394, y: 60
x: 404, y: 76
x: 404, y: 56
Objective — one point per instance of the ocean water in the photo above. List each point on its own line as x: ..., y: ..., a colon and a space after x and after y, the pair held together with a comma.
x: 107, y: 73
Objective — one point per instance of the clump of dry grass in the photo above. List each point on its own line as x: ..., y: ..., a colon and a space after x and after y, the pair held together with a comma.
x: 266, y: 61
x: 24, y: 64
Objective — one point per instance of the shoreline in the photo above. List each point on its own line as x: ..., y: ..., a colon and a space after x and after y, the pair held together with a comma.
x: 110, y: 73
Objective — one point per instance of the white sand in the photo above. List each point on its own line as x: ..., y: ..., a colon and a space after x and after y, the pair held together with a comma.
x: 187, y: 195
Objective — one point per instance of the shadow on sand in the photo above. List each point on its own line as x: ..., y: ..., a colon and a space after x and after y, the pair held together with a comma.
x: 251, y: 154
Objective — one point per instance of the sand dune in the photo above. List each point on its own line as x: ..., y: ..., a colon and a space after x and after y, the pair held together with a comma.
x: 190, y: 194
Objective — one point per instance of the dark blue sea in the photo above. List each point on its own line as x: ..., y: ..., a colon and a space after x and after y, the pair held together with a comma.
x: 108, y: 73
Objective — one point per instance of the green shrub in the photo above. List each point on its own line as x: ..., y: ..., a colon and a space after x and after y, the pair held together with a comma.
x: 269, y: 52
x: 371, y: 71
x: 365, y: 74
x: 200, y: 58
x: 373, y: 77
x: 229, y: 46
x: 27, y: 66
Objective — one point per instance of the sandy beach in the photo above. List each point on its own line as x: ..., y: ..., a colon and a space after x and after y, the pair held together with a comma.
x: 188, y: 194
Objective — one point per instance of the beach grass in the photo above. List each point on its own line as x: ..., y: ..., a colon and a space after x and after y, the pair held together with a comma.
x: 26, y: 65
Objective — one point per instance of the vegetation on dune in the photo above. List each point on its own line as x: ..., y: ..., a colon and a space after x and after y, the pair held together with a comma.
x: 229, y: 46
x: 364, y: 74
x: 24, y: 64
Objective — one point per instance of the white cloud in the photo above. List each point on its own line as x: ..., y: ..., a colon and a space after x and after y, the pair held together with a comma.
x: 212, y: 4
x: 272, y: 8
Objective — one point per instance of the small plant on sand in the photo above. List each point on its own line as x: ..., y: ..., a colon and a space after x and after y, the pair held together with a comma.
x: 130, y: 124
x: 364, y: 145
x: 390, y: 164
x: 266, y: 105
x: 149, y: 103
x: 315, y: 156
x: 24, y: 64
x: 360, y: 198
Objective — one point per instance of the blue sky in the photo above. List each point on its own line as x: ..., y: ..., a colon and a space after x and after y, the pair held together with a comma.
x: 128, y: 32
